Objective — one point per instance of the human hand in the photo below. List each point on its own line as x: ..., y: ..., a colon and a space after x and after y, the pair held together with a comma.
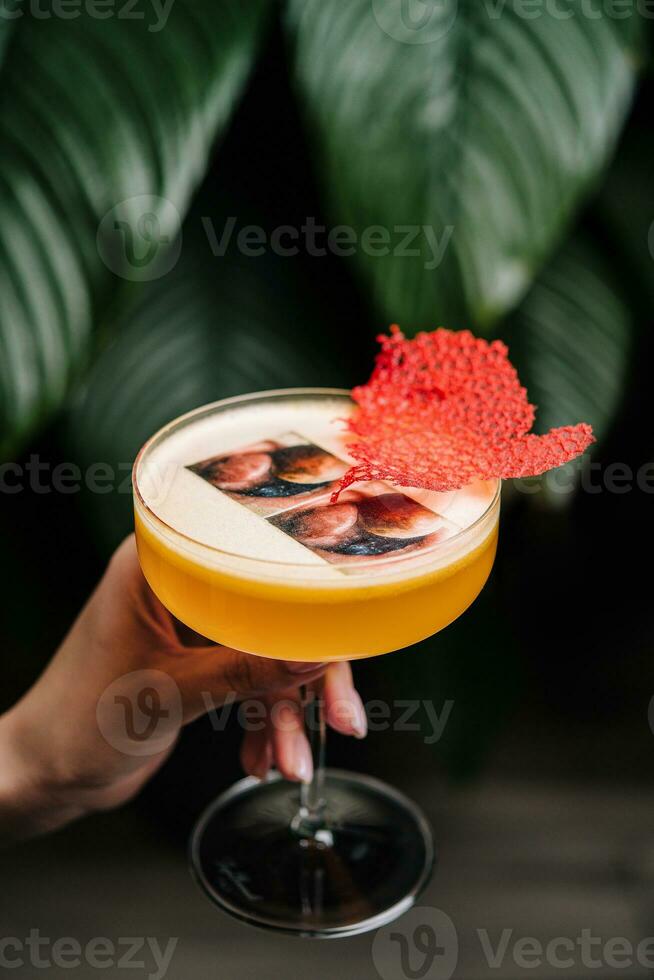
x: 72, y: 745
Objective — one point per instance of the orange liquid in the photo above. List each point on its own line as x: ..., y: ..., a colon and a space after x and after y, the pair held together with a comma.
x: 292, y: 620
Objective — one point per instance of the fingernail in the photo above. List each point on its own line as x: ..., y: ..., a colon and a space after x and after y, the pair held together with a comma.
x: 348, y: 716
x: 302, y: 761
x: 304, y: 667
x: 261, y: 767
x: 358, y: 714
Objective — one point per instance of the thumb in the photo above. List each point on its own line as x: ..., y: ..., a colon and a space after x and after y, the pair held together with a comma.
x: 209, y: 676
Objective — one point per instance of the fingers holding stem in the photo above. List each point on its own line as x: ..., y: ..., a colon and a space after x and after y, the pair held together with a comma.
x: 283, y: 741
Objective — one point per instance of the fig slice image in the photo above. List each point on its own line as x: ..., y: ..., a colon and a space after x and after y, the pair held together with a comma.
x: 320, y: 527
x: 307, y: 464
x: 392, y: 515
x: 239, y: 472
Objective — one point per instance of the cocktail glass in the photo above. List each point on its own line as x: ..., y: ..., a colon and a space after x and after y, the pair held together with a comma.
x: 344, y: 853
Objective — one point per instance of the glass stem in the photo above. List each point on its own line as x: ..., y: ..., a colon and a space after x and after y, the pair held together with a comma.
x: 309, y: 821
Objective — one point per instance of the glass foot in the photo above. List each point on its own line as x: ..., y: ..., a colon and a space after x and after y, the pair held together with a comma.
x: 362, y: 870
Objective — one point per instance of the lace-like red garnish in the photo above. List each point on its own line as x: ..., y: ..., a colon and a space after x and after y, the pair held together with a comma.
x: 446, y: 408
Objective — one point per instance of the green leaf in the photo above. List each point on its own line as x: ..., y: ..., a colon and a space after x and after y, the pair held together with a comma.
x: 473, y: 121
x: 571, y: 341
x: 212, y: 328
x: 106, y: 128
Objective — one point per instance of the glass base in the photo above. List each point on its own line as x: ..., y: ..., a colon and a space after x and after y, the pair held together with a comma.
x: 365, y: 868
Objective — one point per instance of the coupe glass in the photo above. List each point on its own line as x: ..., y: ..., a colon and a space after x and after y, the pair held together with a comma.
x: 344, y: 853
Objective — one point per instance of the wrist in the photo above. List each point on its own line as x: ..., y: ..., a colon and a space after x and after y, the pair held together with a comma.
x: 31, y: 801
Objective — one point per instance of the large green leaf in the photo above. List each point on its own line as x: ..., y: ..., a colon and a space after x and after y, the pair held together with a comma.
x: 473, y: 119
x: 106, y: 126
x: 214, y: 327
x: 571, y: 340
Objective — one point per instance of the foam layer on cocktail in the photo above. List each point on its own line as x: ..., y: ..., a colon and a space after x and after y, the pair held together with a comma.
x: 252, y: 482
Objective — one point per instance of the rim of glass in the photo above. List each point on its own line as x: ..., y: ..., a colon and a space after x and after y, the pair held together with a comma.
x: 161, y: 434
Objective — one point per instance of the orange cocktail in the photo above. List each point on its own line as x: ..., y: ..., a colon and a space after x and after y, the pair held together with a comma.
x: 237, y: 537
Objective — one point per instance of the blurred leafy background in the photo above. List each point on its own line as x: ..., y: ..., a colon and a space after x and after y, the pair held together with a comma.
x: 523, y: 143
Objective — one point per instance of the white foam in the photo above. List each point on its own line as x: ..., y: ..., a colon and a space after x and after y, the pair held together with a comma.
x: 191, y: 506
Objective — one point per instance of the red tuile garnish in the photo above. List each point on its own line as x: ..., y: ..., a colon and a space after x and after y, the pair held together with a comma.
x: 447, y: 408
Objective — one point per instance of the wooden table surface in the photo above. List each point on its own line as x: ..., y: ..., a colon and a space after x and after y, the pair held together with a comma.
x: 518, y: 859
